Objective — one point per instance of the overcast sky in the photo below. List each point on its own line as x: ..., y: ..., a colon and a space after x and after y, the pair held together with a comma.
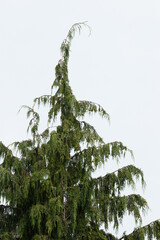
x: 118, y: 66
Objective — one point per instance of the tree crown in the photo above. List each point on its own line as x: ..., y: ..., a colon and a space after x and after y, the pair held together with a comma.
x: 47, y: 180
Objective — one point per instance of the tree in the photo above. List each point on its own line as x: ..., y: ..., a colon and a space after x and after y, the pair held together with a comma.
x: 46, y: 181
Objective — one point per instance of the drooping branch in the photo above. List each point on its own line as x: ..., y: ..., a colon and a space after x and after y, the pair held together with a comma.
x: 116, y: 181
x: 151, y: 230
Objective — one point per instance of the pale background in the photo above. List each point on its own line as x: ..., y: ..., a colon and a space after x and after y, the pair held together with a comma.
x: 118, y: 66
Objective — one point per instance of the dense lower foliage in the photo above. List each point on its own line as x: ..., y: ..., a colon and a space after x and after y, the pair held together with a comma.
x: 46, y: 182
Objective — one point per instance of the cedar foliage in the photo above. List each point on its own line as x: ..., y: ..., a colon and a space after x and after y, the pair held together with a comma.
x: 46, y: 181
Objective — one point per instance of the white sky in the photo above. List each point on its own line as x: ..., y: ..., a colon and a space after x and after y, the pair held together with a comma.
x: 118, y: 66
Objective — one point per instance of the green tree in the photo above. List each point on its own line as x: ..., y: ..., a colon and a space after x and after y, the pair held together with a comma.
x: 46, y: 181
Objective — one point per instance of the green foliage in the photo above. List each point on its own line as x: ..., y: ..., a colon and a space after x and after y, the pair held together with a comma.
x: 47, y: 182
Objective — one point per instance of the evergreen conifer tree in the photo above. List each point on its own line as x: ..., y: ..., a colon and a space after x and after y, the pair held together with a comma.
x: 46, y: 181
